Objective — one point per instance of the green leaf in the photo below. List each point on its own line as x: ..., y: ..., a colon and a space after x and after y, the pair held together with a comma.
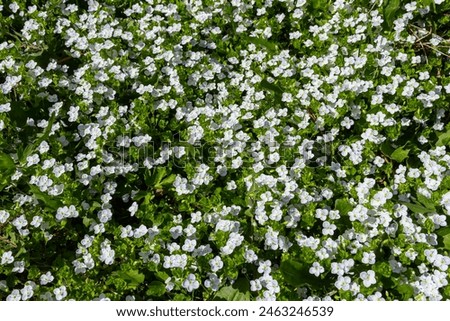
x: 132, y: 277
x: 48, y: 200
x: 406, y: 290
x: 446, y: 241
x: 3, y: 184
x: 19, y: 113
x: 33, y: 272
x: 6, y: 163
x: 181, y: 297
x: 87, y: 221
x: 446, y: 292
x: 445, y: 184
x: 156, y: 288
x: 155, y: 179
x: 343, y: 206
x: 428, y: 203
x: 319, y: 4
x: 293, y: 272
x: 390, y: 10
x: 163, y: 276
x: 400, y: 154
x: 386, y: 148
x: 168, y: 180
x: 383, y: 268
x: 271, y: 46
x: 46, y: 133
x: 443, y: 231
x: 95, y: 205
x: 24, y: 153
x: 427, y: 2
x: 416, y: 208
x: 271, y: 86
x: 239, y: 291
x: 443, y: 139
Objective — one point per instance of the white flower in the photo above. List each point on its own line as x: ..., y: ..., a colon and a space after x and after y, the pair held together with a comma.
x: 104, y: 215
x: 316, y: 269
x: 4, y: 215
x: 60, y: 293
x: 287, y: 97
x: 328, y: 228
x: 7, y: 258
x: 190, y: 230
x: 46, y: 278
x: 19, y: 266
x: 213, y: 282
x: 190, y: 284
x: 33, y: 160
x: 176, y: 231
x: 126, y: 231
x: 176, y: 260
x: 179, y: 151
x: 27, y: 292
x: 368, y: 278
x: 14, y: 296
x: 416, y: 60
x: 445, y: 201
x: 133, y: 208
x: 264, y: 267
x: 5, y: 107
x: 20, y: 222
x: 250, y: 256
x: 14, y: 7
x: 106, y: 253
x: 424, y: 75
x: 196, y: 217
x: 66, y: 212
x: 140, y: 231
x: 189, y: 245
x: 368, y: 258
x: 343, y: 283
x: 216, y: 263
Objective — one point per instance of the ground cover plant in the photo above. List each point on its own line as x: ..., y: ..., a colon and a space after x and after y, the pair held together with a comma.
x: 224, y: 150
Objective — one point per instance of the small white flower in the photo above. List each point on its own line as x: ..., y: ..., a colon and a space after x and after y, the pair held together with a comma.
x: 32, y: 160
x: 343, y: 283
x: 60, y: 293
x: 4, y: 108
x: 368, y: 258
x: 179, y: 151
x: 189, y: 245
x: 14, y: 296
x: 106, y: 253
x: 316, y: 269
x: 19, y: 266
x: 46, y: 278
x: 7, y: 258
x: 368, y: 278
x: 191, y: 284
x: 4, y: 215
x: 216, y: 263
x: 14, y: 7
x: 133, y: 208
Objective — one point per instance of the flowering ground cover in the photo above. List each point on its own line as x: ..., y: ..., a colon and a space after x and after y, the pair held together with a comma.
x: 224, y: 150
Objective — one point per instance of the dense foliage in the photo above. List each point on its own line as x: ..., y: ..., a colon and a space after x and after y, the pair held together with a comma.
x: 224, y: 150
